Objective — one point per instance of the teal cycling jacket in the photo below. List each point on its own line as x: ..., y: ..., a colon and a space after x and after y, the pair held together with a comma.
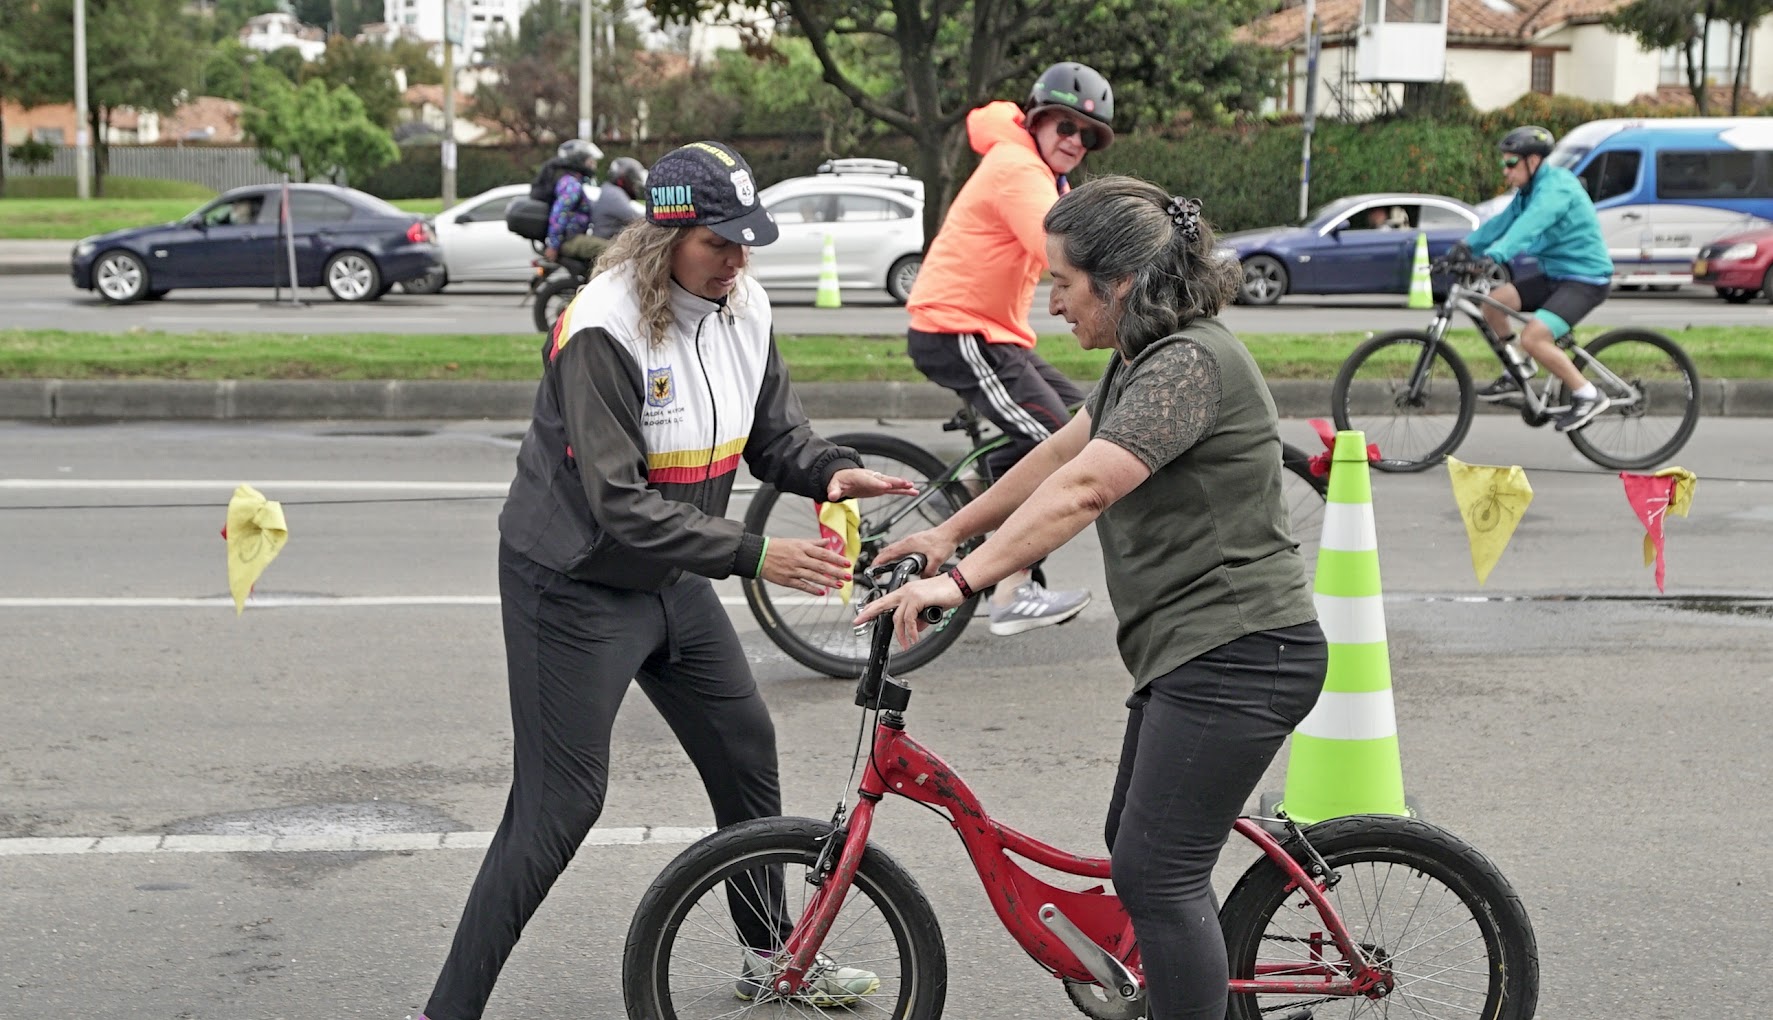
x: 1552, y: 219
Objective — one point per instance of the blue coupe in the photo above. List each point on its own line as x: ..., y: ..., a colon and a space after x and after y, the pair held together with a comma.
x: 1361, y: 244
x: 353, y: 244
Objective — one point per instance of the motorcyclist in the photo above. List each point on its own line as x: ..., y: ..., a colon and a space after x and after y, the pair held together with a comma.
x: 569, y: 219
x: 624, y: 184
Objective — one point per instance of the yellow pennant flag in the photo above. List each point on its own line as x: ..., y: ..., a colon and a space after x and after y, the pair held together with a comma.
x: 840, y: 526
x: 1680, y: 500
x: 256, y: 532
x: 1491, y: 501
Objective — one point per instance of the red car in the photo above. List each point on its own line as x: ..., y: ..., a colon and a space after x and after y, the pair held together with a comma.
x: 1739, y: 265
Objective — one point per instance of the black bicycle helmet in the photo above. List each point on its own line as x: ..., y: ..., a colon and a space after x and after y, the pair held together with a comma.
x: 579, y: 151
x: 627, y: 173
x: 1527, y: 141
x: 1072, y: 86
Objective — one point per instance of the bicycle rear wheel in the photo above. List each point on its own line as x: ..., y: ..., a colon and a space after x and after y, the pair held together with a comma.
x: 1417, y: 408
x: 818, y: 631
x: 1429, y: 909
x: 1304, y: 493
x: 1654, y: 388
x: 685, y: 958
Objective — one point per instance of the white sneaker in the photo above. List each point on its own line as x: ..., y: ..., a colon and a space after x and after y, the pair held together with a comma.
x: 827, y: 985
x: 1034, y: 606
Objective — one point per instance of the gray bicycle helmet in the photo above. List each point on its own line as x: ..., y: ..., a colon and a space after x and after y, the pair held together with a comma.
x: 1080, y: 89
x: 578, y: 150
x: 627, y: 173
x: 1527, y: 141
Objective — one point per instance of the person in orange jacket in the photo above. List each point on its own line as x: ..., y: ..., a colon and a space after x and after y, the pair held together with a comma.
x: 969, y: 308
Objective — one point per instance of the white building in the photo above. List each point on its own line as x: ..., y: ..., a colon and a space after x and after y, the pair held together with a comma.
x: 1500, y: 50
x: 277, y: 30
x: 423, y: 19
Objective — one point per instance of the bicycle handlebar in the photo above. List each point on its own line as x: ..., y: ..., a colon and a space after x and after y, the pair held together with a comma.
x: 886, y: 577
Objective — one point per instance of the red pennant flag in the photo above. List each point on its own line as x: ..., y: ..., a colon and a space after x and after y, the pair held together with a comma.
x: 1320, y: 463
x: 1649, y: 496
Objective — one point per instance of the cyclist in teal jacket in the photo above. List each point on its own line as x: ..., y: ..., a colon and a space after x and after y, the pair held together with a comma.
x: 1551, y: 218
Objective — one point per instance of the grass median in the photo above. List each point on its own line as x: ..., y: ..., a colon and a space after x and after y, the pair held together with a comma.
x: 1730, y: 352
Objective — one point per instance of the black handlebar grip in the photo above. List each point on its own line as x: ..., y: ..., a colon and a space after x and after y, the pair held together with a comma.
x: 931, y: 614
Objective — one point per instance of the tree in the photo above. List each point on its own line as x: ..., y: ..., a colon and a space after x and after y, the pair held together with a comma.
x: 365, y: 69
x: 315, y: 131
x: 288, y: 62
x: 27, y: 74
x: 1745, y: 15
x: 535, y: 93
x: 782, y: 89
x: 414, y: 58
x: 950, y: 56
x: 1686, y: 25
x: 139, y: 54
x: 338, y: 17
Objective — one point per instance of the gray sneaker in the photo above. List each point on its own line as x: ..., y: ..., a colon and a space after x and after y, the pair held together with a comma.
x: 827, y: 985
x: 1035, y: 606
x: 1582, y: 411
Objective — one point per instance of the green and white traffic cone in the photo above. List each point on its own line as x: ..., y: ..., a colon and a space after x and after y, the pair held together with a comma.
x: 829, y: 296
x: 1421, y: 290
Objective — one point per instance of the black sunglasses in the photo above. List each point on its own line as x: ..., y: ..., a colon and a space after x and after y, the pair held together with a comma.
x: 1511, y: 161
x: 1090, y: 135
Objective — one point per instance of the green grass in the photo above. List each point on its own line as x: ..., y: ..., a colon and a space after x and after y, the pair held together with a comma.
x: 1734, y: 352
x: 38, y: 208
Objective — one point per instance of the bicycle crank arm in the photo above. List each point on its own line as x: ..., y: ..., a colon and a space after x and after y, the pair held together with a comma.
x: 1109, y: 972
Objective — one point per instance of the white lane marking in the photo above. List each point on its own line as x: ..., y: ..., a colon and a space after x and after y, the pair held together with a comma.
x: 339, y: 842
x: 1344, y: 715
x: 304, y: 601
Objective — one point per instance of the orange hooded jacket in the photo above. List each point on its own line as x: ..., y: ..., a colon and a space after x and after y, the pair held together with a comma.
x: 979, y: 274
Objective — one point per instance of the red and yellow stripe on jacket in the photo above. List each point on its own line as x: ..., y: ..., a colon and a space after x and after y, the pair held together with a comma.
x: 682, y: 466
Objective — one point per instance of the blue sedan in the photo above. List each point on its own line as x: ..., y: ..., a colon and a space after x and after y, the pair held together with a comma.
x: 353, y: 244
x: 1362, y: 244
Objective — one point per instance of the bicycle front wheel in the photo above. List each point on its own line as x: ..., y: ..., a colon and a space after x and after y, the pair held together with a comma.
x: 819, y: 631
x: 1423, y: 906
x: 1410, y: 395
x: 1654, y: 389
x: 692, y: 952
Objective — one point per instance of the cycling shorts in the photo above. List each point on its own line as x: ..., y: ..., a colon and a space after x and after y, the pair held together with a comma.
x: 1560, y: 304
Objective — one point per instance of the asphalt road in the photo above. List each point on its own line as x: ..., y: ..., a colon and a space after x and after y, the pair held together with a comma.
x: 1608, y: 749
x: 50, y: 302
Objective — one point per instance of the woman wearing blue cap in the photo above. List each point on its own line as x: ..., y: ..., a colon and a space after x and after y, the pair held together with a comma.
x: 659, y: 377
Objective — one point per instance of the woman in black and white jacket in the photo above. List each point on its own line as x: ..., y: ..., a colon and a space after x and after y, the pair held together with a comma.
x: 659, y: 377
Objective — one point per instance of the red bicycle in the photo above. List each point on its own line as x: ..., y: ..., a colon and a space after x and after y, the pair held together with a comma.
x: 1360, y: 916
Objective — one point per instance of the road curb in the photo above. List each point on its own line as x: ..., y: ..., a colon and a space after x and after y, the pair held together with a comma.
x: 281, y: 400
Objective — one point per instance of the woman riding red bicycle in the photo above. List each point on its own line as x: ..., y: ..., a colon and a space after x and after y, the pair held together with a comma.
x: 1176, y: 458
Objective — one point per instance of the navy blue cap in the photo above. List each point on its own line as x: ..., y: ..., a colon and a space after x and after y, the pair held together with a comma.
x: 707, y: 184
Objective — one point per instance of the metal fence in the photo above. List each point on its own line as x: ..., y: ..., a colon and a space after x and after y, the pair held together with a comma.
x: 215, y: 166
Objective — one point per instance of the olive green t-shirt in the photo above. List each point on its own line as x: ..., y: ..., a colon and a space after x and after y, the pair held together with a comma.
x: 1201, y: 552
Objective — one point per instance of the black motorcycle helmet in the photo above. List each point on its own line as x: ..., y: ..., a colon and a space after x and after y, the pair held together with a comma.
x: 1072, y: 86
x: 627, y: 173
x: 1527, y: 141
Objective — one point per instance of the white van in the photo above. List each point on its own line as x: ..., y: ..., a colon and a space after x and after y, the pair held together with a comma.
x: 1666, y: 187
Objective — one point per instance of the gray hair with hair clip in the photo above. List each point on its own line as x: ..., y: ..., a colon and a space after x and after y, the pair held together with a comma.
x: 1185, y: 214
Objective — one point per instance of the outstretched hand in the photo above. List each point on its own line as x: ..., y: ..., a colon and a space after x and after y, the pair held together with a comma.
x: 907, y: 606
x: 853, y: 483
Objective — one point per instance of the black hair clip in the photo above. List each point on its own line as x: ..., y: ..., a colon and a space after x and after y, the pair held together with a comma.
x: 1185, y: 213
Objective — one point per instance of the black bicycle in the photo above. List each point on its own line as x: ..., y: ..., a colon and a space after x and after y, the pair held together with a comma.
x: 1412, y: 395
x: 817, y: 631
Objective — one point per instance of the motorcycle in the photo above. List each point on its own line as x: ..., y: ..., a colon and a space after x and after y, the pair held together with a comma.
x: 553, y: 286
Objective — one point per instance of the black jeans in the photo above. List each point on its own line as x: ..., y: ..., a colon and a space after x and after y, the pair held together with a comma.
x: 570, y: 651
x: 1198, y: 739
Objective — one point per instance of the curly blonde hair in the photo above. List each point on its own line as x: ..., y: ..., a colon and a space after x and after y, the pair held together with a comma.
x: 646, y: 248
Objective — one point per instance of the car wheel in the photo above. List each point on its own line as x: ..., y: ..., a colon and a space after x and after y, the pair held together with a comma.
x: 1735, y: 295
x: 430, y: 283
x: 902, y: 276
x: 120, y: 277
x: 353, y: 276
x: 1767, y: 285
x: 1265, y: 280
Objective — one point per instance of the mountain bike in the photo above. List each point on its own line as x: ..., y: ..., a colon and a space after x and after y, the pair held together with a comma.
x: 816, y: 631
x: 1412, y: 395
x: 1364, y: 915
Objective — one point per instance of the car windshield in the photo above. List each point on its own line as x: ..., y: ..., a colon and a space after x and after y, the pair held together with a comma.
x: 1567, y: 156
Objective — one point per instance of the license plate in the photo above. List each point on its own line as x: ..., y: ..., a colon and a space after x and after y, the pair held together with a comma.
x: 1699, y: 268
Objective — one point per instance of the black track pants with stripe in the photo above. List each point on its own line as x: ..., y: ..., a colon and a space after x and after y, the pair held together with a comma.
x: 1013, y: 386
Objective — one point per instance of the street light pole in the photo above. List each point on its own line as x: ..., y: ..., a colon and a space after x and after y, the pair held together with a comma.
x: 585, y: 70
x: 82, y: 144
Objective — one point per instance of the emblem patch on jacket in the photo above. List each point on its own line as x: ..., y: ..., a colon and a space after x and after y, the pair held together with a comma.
x: 659, y: 390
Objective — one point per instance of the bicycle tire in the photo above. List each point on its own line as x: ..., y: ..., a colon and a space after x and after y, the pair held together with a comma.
x: 816, y: 632
x: 1389, y: 417
x: 551, y: 301
x: 1385, y: 859
x: 1304, y: 494
x: 1630, y: 436
x: 733, y: 858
